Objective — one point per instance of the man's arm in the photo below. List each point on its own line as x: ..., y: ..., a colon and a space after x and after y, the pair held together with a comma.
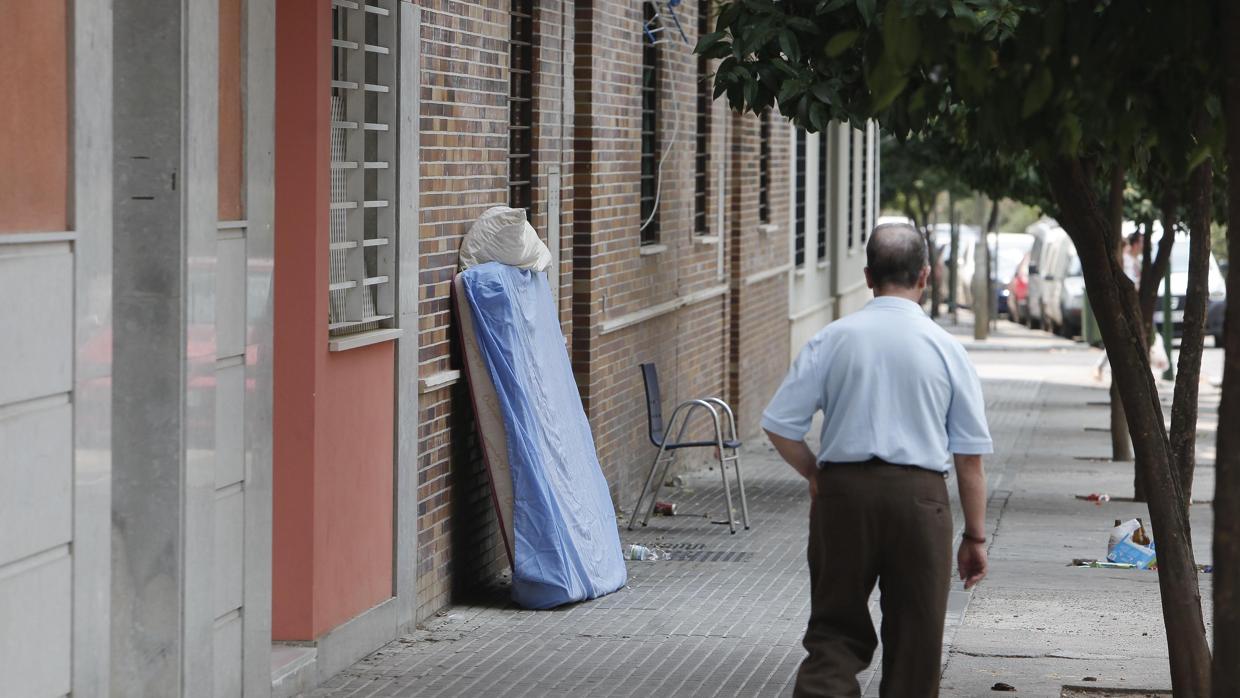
x: 971, y: 479
x: 799, y: 456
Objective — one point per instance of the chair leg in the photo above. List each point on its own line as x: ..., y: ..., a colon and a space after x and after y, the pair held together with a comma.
x: 658, y: 484
x: 727, y: 489
x: 637, y: 506
x: 740, y: 484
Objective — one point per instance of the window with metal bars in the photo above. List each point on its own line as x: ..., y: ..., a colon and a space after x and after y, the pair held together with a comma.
x: 362, y: 243
x: 521, y: 106
x: 865, y: 186
x: 799, y: 203
x: 701, y: 175
x: 824, y: 195
x: 650, y: 137
x: 852, y: 190
x: 764, y: 167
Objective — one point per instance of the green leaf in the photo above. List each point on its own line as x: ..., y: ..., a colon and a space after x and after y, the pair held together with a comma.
x: 788, y: 44
x: 728, y: 13
x: 901, y: 37
x: 885, y: 83
x: 825, y: 93
x: 1037, y: 93
x: 1198, y: 155
x: 841, y: 42
x: 708, y: 41
x: 719, y: 50
x: 803, y: 24
x: 867, y: 8
x: 751, y: 91
x: 819, y: 117
x: 829, y: 6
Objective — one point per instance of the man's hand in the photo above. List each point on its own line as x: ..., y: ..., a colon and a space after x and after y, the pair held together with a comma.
x: 813, y: 488
x: 797, y: 454
x: 972, y: 563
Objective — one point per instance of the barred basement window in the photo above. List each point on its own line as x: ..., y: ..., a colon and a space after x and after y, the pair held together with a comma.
x: 799, y: 204
x: 764, y: 168
x: 520, y: 106
x: 824, y: 195
x: 363, y: 173
x: 704, y: 99
x: 650, y: 137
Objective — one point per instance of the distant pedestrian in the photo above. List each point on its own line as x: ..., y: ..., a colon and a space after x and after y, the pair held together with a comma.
x: 1132, y: 258
x: 899, y: 399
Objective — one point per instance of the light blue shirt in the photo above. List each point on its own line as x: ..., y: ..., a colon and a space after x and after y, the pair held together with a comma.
x: 891, y: 384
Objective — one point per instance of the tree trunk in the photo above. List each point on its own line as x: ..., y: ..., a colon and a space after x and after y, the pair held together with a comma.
x: 1152, y: 271
x: 1227, y: 458
x: 1121, y: 443
x: 1188, y: 373
x: 1122, y: 329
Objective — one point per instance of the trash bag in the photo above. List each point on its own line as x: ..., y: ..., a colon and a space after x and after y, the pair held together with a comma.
x: 502, y: 234
x: 1130, y: 544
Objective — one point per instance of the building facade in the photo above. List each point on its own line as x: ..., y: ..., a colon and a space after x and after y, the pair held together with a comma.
x: 236, y: 450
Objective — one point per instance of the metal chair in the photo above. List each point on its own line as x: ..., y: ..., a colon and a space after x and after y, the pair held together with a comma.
x: 726, y: 450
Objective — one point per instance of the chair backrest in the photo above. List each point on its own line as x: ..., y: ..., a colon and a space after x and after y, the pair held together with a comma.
x: 654, y: 403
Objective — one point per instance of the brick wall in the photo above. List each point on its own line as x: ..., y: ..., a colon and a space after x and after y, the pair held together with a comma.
x: 614, y: 283
x: 708, y: 331
x: 464, y: 171
x: 759, y: 295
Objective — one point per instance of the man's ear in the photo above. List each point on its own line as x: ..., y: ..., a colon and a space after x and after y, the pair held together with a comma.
x: 869, y: 279
x: 923, y: 279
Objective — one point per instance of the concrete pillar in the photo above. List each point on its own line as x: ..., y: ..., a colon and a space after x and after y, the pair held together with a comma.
x: 164, y: 164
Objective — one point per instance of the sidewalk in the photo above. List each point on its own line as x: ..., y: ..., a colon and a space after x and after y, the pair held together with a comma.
x: 725, y: 616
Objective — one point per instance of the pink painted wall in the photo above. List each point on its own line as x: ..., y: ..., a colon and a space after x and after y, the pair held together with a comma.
x: 333, y: 421
x: 34, y: 121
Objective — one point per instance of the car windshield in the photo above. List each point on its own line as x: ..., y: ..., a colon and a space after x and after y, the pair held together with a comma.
x: 1179, y: 257
x: 1009, y: 259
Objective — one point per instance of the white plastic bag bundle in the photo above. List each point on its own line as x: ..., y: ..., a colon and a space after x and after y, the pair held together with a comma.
x: 502, y: 234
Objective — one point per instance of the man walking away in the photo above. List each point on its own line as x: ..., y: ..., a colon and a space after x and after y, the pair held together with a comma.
x: 899, y: 400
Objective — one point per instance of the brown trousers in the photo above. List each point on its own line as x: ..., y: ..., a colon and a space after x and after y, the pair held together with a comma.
x: 875, y: 522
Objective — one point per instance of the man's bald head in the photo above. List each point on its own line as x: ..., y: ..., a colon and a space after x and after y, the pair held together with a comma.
x: 895, y: 255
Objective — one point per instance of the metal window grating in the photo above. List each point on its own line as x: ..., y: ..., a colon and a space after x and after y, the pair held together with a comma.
x: 649, y: 136
x: 764, y: 167
x: 865, y: 186
x: 824, y: 194
x: 363, y: 177
x: 852, y: 190
x: 521, y: 105
x: 798, y: 232
x: 701, y: 175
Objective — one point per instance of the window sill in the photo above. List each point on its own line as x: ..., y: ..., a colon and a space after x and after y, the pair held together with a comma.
x: 800, y: 272
x: 435, y: 381
x: 706, y: 239
x: 823, y: 264
x: 649, y: 250
x: 768, y: 228
x: 363, y: 339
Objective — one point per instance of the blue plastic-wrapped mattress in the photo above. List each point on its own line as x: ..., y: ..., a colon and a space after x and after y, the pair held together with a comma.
x: 561, y: 528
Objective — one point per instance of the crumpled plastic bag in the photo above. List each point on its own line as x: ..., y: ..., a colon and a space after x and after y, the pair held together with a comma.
x: 1121, y: 548
x: 502, y: 234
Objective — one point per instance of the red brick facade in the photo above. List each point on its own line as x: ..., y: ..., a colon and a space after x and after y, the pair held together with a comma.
x: 715, y: 322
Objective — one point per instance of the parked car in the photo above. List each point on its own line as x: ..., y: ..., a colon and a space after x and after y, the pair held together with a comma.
x: 966, y: 242
x: 1216, y: 283
x: 1045, y: 233
x: 1214, y: 320
x: 1007, y: 250
x: 1018, y: 292
x: 1062, y: 287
